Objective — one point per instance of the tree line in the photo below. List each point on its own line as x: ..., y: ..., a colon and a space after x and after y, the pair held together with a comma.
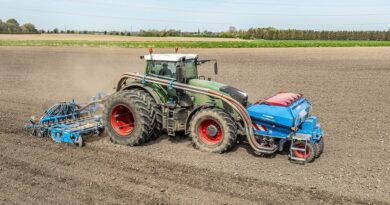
x: 273, y: 34
x: 294, y: 34
x: 269, y: 33
x: 12, y: 26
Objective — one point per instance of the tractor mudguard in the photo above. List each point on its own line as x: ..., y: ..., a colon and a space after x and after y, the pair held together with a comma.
x: 156, y: 91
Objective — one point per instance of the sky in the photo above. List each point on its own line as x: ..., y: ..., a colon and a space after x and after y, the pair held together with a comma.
x: 211, y: 15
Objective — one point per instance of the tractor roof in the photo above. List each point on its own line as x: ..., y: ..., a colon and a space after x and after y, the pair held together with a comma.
x: 169, y: 57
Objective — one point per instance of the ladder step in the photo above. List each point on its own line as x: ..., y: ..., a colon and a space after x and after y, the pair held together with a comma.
x: 298, y: 159
x: 171, y: 123
x: 299, y: 149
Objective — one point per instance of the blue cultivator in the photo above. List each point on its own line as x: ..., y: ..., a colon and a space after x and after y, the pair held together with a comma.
x: 68, y: 122
x: 287, y: 117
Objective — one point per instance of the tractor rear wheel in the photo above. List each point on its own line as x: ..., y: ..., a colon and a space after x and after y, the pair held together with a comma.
x: 129, y: 117
x: 155, y: 112
x: 213, y: 130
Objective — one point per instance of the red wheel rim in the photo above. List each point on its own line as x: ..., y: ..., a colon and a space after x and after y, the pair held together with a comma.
x: 122, y: 120
x: 204, y: 135
x: 301, y: 154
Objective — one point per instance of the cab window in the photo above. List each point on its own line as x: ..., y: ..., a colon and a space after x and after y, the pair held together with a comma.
x: 190, y: 68
x: 163, y: 69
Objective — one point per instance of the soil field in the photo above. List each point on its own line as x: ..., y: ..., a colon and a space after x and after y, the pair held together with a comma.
x: 98, y: 37
x: 348, y: 87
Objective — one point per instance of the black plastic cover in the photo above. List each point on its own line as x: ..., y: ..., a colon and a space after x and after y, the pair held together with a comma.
x: 236, y: 94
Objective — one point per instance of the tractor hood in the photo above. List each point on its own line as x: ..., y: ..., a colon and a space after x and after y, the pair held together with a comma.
x: 235, y: 93
x: 206, y: 84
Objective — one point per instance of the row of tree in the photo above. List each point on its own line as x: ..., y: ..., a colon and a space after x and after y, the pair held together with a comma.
x: 56, y: 30
x: 293, y: 34
x: 160, y: 33
x: 270, y: 33
x: 12, y: 26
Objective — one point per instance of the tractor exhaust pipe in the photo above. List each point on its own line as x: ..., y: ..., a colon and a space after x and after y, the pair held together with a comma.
x: 230, y: 101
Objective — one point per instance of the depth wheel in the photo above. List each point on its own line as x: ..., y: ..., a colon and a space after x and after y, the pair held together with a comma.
x: 319, y: 147
x: 213, y: 130
x: 310, y: 151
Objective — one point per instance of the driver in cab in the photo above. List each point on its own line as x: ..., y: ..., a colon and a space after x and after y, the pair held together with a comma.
x: 165, y: 71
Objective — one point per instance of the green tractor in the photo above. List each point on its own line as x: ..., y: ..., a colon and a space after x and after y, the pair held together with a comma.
x: 172, y: 97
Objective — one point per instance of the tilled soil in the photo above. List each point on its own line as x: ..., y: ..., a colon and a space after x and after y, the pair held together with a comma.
x: 348, y: 88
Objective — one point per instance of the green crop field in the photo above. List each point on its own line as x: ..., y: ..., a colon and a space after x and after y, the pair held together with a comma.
x: 195, y: 44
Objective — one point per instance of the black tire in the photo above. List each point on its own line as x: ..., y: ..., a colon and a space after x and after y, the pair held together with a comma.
x: 155, y: 114
x: 310, y: 151
x: 319, y: 147
x: 226, y: 131
x: 140, y: 106
x: 322, y: 146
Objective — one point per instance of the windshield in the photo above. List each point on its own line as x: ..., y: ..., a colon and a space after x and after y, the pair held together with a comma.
x: 167, y: 69
x: 164, y: 69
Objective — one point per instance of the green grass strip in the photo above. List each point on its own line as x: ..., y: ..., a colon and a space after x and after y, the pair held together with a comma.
x: 195, y: 44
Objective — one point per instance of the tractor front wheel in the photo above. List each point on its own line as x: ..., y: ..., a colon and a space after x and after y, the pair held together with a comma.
x: 213, y: 130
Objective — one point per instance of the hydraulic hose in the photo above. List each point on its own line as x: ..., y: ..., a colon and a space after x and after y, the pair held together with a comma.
x: 229, y: 100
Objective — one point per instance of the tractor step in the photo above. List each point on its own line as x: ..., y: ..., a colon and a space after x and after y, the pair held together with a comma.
x: 171, y: 122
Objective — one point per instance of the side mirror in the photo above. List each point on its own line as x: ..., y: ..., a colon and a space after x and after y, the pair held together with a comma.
x: 215, y: 68
x: 179, y: 74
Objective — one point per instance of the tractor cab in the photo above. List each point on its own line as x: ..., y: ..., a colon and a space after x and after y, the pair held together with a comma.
x: 183, y: 68
x: 178, y: 67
